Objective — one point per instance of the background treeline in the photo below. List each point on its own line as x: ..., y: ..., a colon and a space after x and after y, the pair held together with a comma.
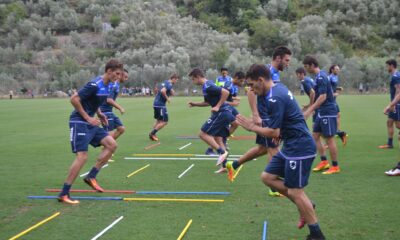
x: 48, y: 45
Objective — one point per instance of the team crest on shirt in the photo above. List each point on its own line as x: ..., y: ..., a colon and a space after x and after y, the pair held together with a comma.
x: 272, y: 100
x: 293, y: 165
x: 325, y: 121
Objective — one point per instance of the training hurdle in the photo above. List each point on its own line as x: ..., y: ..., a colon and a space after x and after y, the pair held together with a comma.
x: 188, y: 137
x: 185, y: 146
x: 107, y: 228
x: 237, y: 172
x: 79, y: 198
x: 178, y: 155
x: 187, y: 170
x: 176, y: 158
x: 92, y: 191
x: 139, y: 170
x: 264, y: 235
x: 175, y: 200
x: 185, y: 230
x: 181, y: 193
x: 152, y: 146
x: 36, y: 226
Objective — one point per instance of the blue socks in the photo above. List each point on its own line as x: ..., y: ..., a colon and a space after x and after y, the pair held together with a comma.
x: 65, y: 190
x: 314, y: 229
x: 334, y: 163
x: 323, y: 158
x: 235, y: 164
x: 93, y: 173
x: 154, y: 131
x: 390, y: 141
x: 220, y: 151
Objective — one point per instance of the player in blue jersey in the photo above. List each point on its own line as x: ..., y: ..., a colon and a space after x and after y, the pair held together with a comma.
x: 393, y: 109
x: 293, y: 163
x: 233, y: 100
x: 325, y: 124
x: 265, y: 145
x: 224, y: 77
x: 85, y: 130
x: 217, y: 126
x: 308, y: 85
x: 159, y: 105
x: 115, y: 127
x: 334, y: 79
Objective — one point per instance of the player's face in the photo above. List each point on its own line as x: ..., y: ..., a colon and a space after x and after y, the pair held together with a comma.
x: 308, y: 68
x: 300, y: 76
x: 389, y: 68
x: 117, y: 75
x: 124, y: 77
x: 224, y: 73
x: 257, y: 86
x: 283, y: 62
x: 174, y: 80
x: 336, y: 70
x: 196, y: 80
x: 238, y: 81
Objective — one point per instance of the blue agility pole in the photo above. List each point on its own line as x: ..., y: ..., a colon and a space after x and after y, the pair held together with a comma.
x: 183, y: 193
x: 79, y: 198
x: 265, y: 228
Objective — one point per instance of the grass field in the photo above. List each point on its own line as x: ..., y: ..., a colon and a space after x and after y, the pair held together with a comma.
x: 359, y: 203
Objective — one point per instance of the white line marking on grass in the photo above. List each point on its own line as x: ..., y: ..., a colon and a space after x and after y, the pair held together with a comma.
x: 107, y: 228
x: 86, y: 173
x: 187, y: 170
x: 185, y: 146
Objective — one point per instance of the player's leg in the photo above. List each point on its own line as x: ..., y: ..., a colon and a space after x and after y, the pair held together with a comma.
x: 390, y: 132
x: 329, y: 131
x: 317, y: 133
x: 272, y: 151
x: 396, y: 170
x: 342, y: 134
x: 119, y: 128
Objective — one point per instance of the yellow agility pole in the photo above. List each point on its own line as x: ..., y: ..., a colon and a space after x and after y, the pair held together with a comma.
x: 237, y: 173
x: 162, y: 155
x: 35, y: 226
x: 175, y: 200
x: 139, y: 170
x: 185, y: 230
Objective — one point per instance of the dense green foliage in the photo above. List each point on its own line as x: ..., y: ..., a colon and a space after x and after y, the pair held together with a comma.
x: 157, y: 38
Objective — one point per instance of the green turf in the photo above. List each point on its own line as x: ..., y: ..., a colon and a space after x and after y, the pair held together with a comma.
x: 359, y: 203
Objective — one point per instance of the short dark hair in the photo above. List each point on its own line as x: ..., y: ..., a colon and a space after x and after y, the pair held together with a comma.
x: 301, y: 70
x: 196, y: 72
x: 281, y: 51
x: 224, y: 69
x: 258, y: 70
x: 113, y: 64
x: 126, y: 70
x: 332, y: 67
x: 239, y: 75
x: 310, y: 60
x: 392, y: 62
x: 174, y: 75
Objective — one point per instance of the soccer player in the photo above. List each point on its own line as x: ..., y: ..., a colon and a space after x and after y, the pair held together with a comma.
x: 159, y: 105
x: 224, y: 77
x: 308, y: 85
x: 334, y: 79
x: 217, y: 126
x: 393, y: 109
x: 85, y: 130
x: 325, y: 124
x: 293, y: 162
x: 233, y: 101
x: 114, y: 123
x: 265, y: 145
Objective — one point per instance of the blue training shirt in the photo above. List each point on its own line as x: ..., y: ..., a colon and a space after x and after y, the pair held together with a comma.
x: 275, y: 74
x: 284, y: 113
x: 92, y: 95
x: 323, y: 86
x: 114, y: 91
x: 395, y: 79
x: 160, y: 100
x: 231, y: 89
x: 212, y: 94
x: 220, y: 81
x: 307, y: 84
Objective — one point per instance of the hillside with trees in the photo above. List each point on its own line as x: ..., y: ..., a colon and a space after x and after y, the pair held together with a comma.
x: 48, y: 45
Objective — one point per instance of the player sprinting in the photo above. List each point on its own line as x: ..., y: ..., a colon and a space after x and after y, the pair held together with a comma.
x: 334, y: 79
x: 325, y: 124
x: 115, y: 126
x: 217, y: 126
x: 233, y: 100
x: 85, y: 129
x: 224, y: 77
x: 265, y: 145
x: 308, y: 85
x: 159, y: 105
x: 393, y: 109
x: 294, y: 161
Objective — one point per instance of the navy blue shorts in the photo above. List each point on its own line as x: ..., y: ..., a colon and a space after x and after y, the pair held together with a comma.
x: 113, y: 121
x: 235, y: 112
x: 396, y: 114
x: 161, y: 113
x: 218, y: 124
x: 82, y: 134
x: 265, y: 141
x: 294, y: 170
x: 326, y: 125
